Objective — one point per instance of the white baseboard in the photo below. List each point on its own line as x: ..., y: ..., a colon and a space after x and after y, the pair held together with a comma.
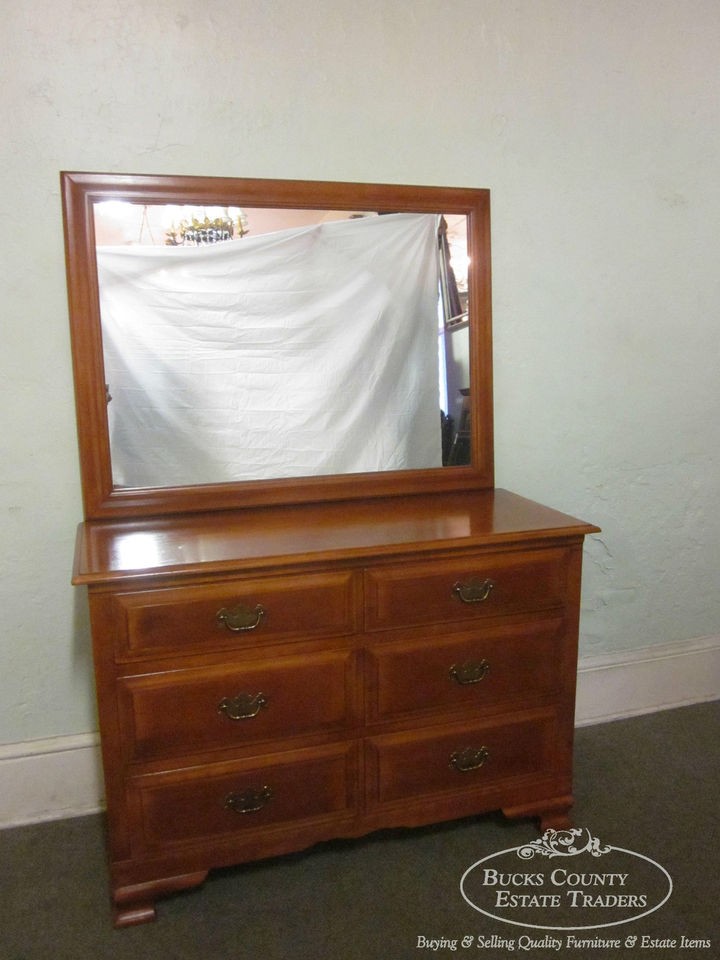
x: 61, y: 777
x: 50, y: 779
x: 618, y: 685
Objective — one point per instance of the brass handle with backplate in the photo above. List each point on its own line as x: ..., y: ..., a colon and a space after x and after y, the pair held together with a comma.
x: 249, y: 801
x: 472, y: 671
x: 474, y: 591
x: 470, y: 758
x: 241, y: 617
x: 243, y: 706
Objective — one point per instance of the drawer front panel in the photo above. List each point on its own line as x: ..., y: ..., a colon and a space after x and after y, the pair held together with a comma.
x: 488, y: 668
x: 451, y: 759
x: 483, y: 585
x: 233, y: 613
x: 226, y: 799
x: 178, y: 712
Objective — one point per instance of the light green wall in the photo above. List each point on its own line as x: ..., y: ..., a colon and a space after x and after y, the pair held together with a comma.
x: 597, y: 128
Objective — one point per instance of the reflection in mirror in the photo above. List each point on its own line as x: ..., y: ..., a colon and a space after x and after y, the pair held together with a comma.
x: 264, y: 343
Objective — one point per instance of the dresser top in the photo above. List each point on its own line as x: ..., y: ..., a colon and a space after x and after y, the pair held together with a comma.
x: 229, y: 541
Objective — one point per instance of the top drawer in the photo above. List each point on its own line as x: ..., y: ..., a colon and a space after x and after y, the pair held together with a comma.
x: 458, y: 589
x: 198, y: 619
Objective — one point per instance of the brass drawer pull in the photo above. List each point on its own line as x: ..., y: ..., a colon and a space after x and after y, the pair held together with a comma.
x: 469, y: 759
x: 243, y: 706
x: 241, y: 617
x: 249, y: 801
x: 471, y: 671
x: 474, y: 591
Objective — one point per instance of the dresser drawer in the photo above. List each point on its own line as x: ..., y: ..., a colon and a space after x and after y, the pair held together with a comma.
x: 458, y: 757
x: 490, y: 667
x: 236, y: 612
x: 481, y: 585
x: 182, y: 711
x: 225, y: 799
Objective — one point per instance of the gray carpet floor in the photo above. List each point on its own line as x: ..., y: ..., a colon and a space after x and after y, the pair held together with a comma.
x: 648, y: 784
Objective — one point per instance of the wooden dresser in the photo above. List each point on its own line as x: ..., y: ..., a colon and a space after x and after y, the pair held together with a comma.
x: 275, y: 677
x: 286, y: 655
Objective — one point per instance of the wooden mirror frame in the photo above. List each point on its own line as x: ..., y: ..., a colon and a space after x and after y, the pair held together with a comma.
x: 101, y: 500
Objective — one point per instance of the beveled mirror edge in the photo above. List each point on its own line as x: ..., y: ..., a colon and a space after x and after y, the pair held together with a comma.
x: 101, y: 500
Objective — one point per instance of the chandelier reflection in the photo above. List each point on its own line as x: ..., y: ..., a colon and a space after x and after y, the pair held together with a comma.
x: 195, y: 232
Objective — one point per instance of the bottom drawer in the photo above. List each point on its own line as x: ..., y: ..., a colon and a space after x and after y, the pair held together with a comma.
x: 226, y: 798
x: 459, y: 756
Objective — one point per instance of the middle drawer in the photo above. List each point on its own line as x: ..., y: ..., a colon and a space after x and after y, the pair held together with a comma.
x: 184, y: 711
x: 485, y: 669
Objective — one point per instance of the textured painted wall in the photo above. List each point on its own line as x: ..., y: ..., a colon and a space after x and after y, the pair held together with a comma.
x: 597, y: 128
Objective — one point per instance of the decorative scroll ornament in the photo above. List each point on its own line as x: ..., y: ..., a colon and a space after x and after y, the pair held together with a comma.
x: 562, y: 843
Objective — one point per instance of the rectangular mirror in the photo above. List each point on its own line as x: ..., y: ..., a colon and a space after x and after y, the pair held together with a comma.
x: 239, y: 342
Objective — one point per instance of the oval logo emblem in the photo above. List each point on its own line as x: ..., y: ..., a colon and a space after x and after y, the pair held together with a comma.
x: 566, y: 880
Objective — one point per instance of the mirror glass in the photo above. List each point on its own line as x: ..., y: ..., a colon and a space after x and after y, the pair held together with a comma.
x: 240, y: 342
x: 262, y: 343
